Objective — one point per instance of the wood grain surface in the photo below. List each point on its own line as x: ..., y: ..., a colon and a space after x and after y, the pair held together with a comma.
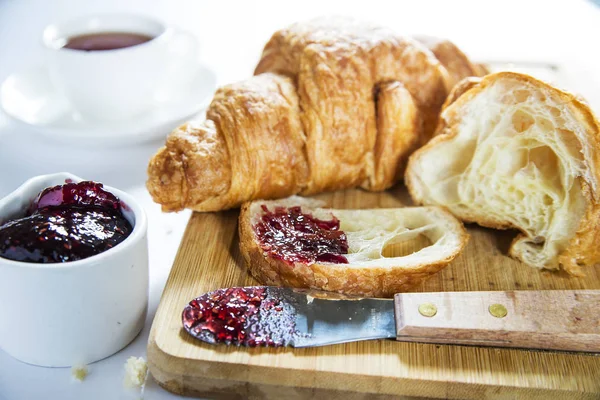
x: 209, y: 258
x: 566, y: 320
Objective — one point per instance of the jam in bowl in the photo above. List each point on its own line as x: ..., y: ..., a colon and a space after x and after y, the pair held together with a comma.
x: 74, y: 253
x: 67, y: 222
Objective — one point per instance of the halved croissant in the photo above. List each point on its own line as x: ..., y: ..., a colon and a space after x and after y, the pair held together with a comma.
x: 368, y: 271
x: 336, y: 104
x: 515, y: 152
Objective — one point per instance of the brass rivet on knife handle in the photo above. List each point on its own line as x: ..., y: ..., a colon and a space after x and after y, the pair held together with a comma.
x: 498, y: 310
x: 427, y: 309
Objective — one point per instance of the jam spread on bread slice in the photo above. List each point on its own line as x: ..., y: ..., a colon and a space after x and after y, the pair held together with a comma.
x: 66, y: 223
x: 237, y: 316
x: 290, y: 235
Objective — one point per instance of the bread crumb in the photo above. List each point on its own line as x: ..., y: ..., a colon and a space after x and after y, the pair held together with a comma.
x: 79, y: 372
x: 136, y: 370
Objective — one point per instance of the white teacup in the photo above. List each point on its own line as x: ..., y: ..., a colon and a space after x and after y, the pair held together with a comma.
x: 119, y: 83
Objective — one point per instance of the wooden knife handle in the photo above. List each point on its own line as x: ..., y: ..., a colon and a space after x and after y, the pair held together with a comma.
x: 550, y: 319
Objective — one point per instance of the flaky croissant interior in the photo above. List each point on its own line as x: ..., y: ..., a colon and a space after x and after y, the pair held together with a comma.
x: 517, y: 157
x: 369, y: 232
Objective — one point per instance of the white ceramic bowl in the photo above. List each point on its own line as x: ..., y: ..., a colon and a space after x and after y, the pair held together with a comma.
x: 63, y: 314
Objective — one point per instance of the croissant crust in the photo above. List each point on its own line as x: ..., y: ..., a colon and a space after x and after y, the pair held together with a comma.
x: 334, y: 104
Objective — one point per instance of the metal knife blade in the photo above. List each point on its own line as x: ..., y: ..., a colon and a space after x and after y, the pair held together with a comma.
x: 324, y: 318
x: 275, y: 316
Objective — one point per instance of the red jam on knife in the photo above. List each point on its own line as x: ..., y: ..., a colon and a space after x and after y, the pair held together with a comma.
x: 240, y: 316
x: 292, y: 236
x: 65, y: 223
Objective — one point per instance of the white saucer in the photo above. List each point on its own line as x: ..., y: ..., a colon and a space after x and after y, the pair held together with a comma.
x: 30, y: 98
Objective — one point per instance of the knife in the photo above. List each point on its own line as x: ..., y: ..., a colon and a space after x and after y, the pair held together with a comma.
x: 274, y: 316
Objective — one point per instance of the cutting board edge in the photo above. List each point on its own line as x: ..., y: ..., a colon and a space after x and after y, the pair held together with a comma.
x: 192, y: 382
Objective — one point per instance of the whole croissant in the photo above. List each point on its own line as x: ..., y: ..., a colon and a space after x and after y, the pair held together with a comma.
x: 334, y: 104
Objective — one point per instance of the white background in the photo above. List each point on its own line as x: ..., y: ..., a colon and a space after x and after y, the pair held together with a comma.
x: 232, y: 35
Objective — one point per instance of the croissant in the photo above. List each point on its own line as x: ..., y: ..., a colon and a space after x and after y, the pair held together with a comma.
x: 364, y: 269
x: 515, y: 152
x: 334, y: 104
x: 453, y: 59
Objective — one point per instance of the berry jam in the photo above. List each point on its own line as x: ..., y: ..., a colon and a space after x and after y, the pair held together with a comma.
x: 77, y: 194
x: 248, y: 316
x: 65, y: 223
x: 292, y: 236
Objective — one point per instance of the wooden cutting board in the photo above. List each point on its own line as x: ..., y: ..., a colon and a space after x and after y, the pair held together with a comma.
x: 209, y: 258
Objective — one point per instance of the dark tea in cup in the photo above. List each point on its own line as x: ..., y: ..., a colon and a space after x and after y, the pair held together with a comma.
x: 105, y: 41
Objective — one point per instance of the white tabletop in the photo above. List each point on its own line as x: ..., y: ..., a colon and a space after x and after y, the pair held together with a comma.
x: 232, y: 35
